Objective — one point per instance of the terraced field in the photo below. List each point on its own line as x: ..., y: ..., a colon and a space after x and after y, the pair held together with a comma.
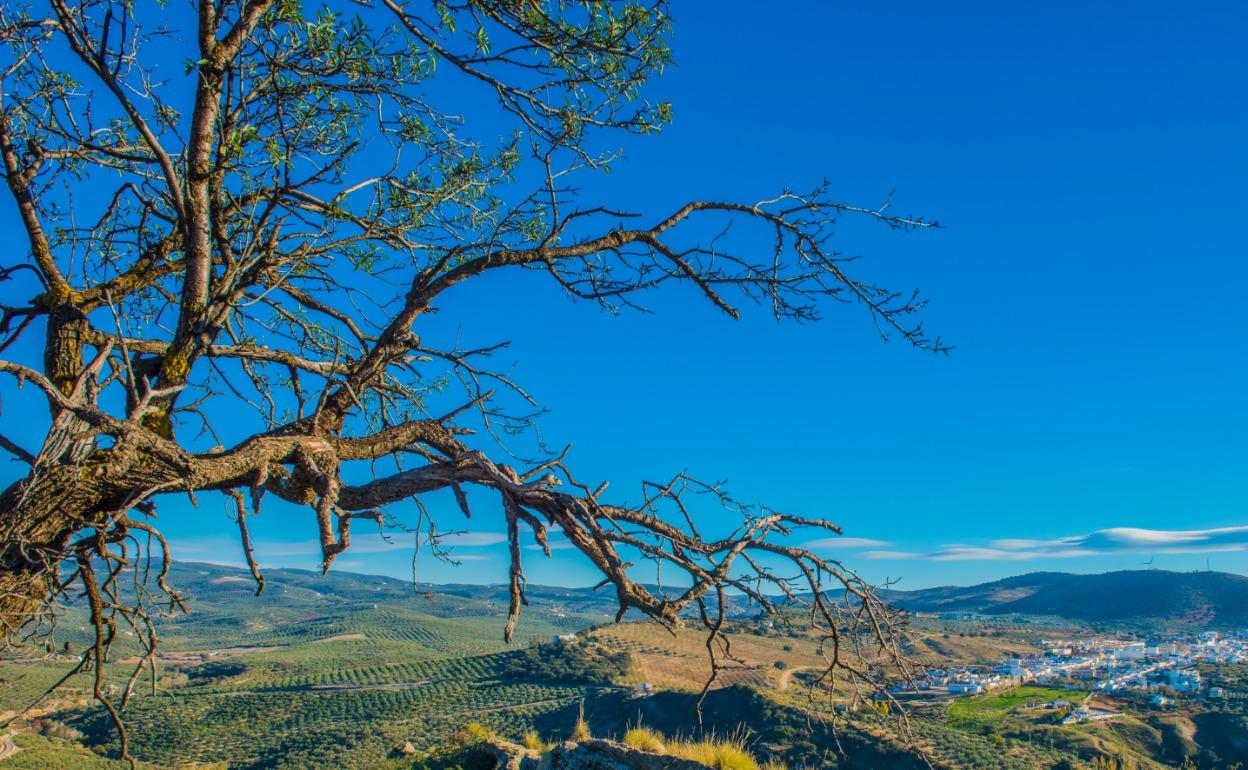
x: 346, y: 671
x: 679, y: 660
x: 337, y: 675
x: 345, y: 727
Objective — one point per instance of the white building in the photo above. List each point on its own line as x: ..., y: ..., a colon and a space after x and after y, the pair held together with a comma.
x: 1130, y: 651
x: 1183, y: 680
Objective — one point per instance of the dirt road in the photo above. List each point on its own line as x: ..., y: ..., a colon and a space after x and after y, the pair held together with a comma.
x: 7, y: 747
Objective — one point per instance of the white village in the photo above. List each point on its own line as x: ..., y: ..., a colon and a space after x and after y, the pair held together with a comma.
x: 1163, y: 669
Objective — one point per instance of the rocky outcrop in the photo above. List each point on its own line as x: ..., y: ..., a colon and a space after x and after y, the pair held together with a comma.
x: 587, y: 755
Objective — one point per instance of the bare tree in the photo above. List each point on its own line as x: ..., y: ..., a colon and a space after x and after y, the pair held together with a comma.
x: 257, y: 205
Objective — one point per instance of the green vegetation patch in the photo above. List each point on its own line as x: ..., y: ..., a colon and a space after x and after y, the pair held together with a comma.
x: 580, y: 663
x: 991, y: 709
x: 37, y: 752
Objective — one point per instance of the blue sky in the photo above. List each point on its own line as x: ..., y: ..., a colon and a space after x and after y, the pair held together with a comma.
x: 1088, y: 162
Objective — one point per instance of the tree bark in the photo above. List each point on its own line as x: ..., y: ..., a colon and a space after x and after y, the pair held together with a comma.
x: 41, y: 513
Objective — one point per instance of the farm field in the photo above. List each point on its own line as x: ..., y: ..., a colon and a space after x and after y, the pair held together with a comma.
x: 991, y: 709
x: 360, y: 673
x: 334, y: 673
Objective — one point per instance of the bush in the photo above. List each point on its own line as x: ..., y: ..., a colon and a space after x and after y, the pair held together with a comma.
x: 54, y: 729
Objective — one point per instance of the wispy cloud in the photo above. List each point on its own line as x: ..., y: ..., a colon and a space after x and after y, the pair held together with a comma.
x: 473, y: 539
x: 844, y: 542
x: 1098, y: 543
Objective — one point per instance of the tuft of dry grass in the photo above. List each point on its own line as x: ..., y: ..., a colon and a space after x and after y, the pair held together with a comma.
x: 645, y: 739
x: 722, y: 752
x: 581, y: 732
x: 534, y: 742
x: 719, y: 754
x: 474, y: 732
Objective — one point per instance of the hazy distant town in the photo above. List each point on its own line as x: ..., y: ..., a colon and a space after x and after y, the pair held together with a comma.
x: 1164, y: 669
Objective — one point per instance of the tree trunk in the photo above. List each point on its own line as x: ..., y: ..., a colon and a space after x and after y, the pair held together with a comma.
x: 40, y: 514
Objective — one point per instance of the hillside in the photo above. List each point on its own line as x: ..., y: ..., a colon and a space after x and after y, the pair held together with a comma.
x: 364, y: 673
x: 1206, y: 599
x: 223, y: 601
x: 367, y: 673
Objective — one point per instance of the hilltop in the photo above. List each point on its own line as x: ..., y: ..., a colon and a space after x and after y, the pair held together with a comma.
x: 1189, y: 599
x: 1206, y: 599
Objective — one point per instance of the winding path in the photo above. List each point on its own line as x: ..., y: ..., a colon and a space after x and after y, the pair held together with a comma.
x: 788, y: 673
x: 7, y: 747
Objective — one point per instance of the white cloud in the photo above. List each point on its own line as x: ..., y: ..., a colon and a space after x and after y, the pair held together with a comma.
x: 1149, y: 538
x: 845, y: 542
x: 1021, y: 545
x: 891, y: 555
x: 1098, y: 543
x: 473, y: 539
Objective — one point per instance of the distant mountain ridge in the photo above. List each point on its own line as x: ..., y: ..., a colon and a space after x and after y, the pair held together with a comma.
x: 1207, y: 599
x: 1204, y: 599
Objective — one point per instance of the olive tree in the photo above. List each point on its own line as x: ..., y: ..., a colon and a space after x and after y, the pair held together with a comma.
x: 254, y: 207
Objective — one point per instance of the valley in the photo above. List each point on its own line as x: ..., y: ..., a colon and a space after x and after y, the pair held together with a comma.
x: 363, y: 672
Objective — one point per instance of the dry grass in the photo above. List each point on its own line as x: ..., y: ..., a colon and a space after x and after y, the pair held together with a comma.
x: 721, y: 755
x: 475, y: 732
x: 580, y: 732
x: 939, y: 649
x: 341, y: 638
x: 727, y: 752
x: 534, y: 742
x: 645, y: 739
x: 678, y: 662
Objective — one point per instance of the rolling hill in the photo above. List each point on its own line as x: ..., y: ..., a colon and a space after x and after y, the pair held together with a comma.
x: 1205, y: 599
x: 372, y: 673
x: 1190, y: 599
